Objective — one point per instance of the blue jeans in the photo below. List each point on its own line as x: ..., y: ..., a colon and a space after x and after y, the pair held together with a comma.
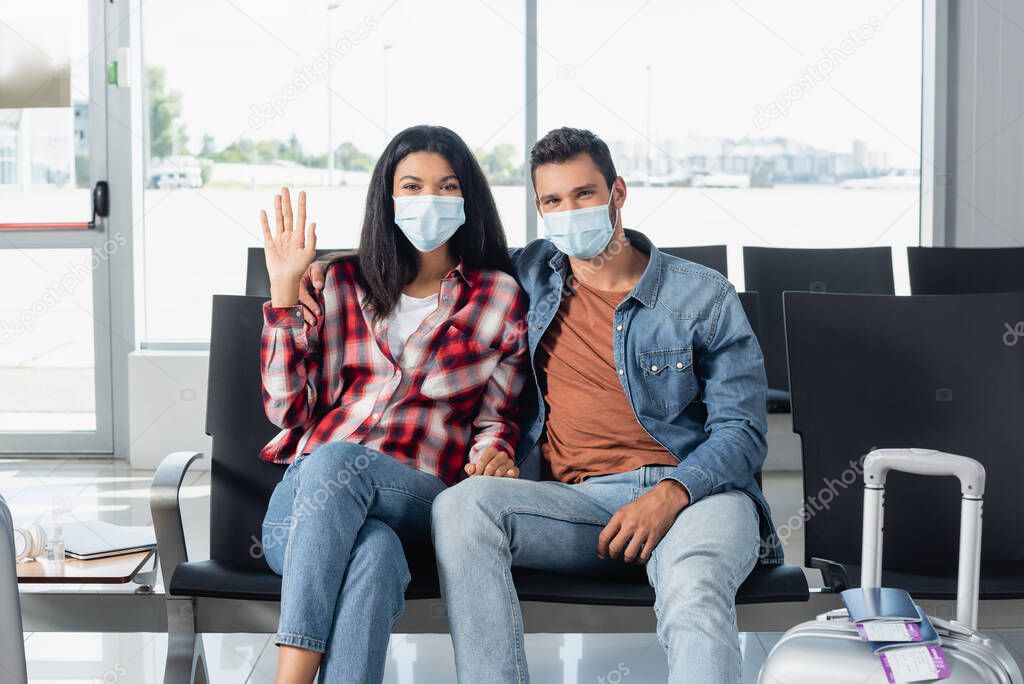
x: 485, y: 525
x: 334, y: 530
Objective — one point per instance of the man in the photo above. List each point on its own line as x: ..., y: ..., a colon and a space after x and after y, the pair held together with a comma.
x: 645, y: 426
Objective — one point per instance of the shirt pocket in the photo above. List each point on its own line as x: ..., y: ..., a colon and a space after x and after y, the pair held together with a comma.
x: 668, y: 377
x: 459, y: 369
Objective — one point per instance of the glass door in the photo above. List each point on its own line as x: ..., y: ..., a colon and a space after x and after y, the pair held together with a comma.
x: 55, y: 249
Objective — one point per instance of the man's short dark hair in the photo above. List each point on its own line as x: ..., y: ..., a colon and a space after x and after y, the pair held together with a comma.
x: 562, y: 144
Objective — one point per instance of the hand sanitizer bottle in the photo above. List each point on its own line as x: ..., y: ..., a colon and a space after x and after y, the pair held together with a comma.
x: 55, y: 535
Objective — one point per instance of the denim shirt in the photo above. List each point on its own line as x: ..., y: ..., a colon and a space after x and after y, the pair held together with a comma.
x: 689, y: 365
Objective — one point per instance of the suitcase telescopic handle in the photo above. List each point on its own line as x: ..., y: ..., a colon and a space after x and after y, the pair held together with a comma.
x: 971, y: 474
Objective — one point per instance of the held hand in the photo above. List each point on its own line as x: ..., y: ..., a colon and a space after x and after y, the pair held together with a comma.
x: 310, y: 285
x: 493, y: 462
x: 289, y: 251
x: 636, y: 528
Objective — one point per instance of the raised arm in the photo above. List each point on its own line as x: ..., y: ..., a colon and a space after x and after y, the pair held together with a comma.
x: 289, y: 354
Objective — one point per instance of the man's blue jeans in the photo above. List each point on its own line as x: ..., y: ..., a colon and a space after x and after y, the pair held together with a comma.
x: 485, y: 525
x: 334, y: 531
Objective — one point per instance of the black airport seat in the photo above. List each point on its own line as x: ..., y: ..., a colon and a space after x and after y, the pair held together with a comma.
x: 995, y: 585
x: 965, y: 270
x: 752, y: 307
x: 216, y: 579
x: 770, y: 271
x: 926, y: 371
x: 241, y: 485
x: 712, y: 256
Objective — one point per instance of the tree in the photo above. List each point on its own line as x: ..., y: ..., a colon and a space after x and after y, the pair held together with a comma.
x: 244, y: 150
x: 349, y: 158
x: 293, y: 152
x: 499, y: 165
x: 207, y: 149
x: 166, y: 136
x: 241, y: 150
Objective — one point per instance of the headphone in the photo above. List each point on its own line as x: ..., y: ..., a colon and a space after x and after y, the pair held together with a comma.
x: 29, y: 542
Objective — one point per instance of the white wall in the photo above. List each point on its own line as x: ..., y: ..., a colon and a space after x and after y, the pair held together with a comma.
x: 167, y: 409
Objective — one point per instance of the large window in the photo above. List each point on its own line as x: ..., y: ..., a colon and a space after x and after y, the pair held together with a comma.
x: 245, y: 97
x: 788, y: 124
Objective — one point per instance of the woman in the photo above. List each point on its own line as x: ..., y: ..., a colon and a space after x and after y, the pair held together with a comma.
x: 413, y: 367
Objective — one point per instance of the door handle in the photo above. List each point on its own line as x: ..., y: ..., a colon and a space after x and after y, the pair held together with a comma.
x: 100, y: 201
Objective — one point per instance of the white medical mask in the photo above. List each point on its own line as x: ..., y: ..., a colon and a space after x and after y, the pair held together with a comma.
x: 581, y: 233
x: 429, y: 220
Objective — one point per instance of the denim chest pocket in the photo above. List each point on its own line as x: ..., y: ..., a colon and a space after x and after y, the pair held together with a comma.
x: 668, y: 377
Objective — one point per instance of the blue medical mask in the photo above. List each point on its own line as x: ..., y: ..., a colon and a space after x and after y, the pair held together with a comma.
x: 581, y: 233
x: 428, y: 220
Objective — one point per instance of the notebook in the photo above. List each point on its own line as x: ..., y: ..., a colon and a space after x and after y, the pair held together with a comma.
x: 90, y: 539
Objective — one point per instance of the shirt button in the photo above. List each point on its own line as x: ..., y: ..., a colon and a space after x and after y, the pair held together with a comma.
x: 679, y: 364
x: 375, y: 416
x: 654, y: 368
x: 621, y: 371
x: 618, y: 327
x: 298, y: 314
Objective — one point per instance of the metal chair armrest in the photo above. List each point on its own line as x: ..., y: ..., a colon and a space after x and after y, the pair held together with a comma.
x: 166, y: 511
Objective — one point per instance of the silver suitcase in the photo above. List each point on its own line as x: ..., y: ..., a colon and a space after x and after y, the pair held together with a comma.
x: 829, y: 649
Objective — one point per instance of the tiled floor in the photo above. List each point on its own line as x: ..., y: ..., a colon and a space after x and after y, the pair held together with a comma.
x: 112, y: 491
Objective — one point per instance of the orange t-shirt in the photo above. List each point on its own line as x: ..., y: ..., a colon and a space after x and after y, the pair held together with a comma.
x: 591, y: 428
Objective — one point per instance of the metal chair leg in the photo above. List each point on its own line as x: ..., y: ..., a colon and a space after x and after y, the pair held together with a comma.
x: 186, y: 660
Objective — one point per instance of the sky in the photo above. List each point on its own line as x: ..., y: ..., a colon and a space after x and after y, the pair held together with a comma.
x: 716, y: 67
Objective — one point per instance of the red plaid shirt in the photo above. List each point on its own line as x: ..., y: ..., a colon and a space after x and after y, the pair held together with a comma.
x: 455, y: 393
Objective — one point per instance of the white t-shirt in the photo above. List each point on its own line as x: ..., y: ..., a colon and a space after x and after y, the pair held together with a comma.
x: 405, y: 318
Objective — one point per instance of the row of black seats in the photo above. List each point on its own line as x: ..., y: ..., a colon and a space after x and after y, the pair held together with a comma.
x: 241, y: 485
x: 770, y: 271
x: 940, y: 369
x: 866, y: 371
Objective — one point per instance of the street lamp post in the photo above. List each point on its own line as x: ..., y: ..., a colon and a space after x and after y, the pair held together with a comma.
x: 386, y: 49
x: 650, y: 130
x: 331, y: 5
